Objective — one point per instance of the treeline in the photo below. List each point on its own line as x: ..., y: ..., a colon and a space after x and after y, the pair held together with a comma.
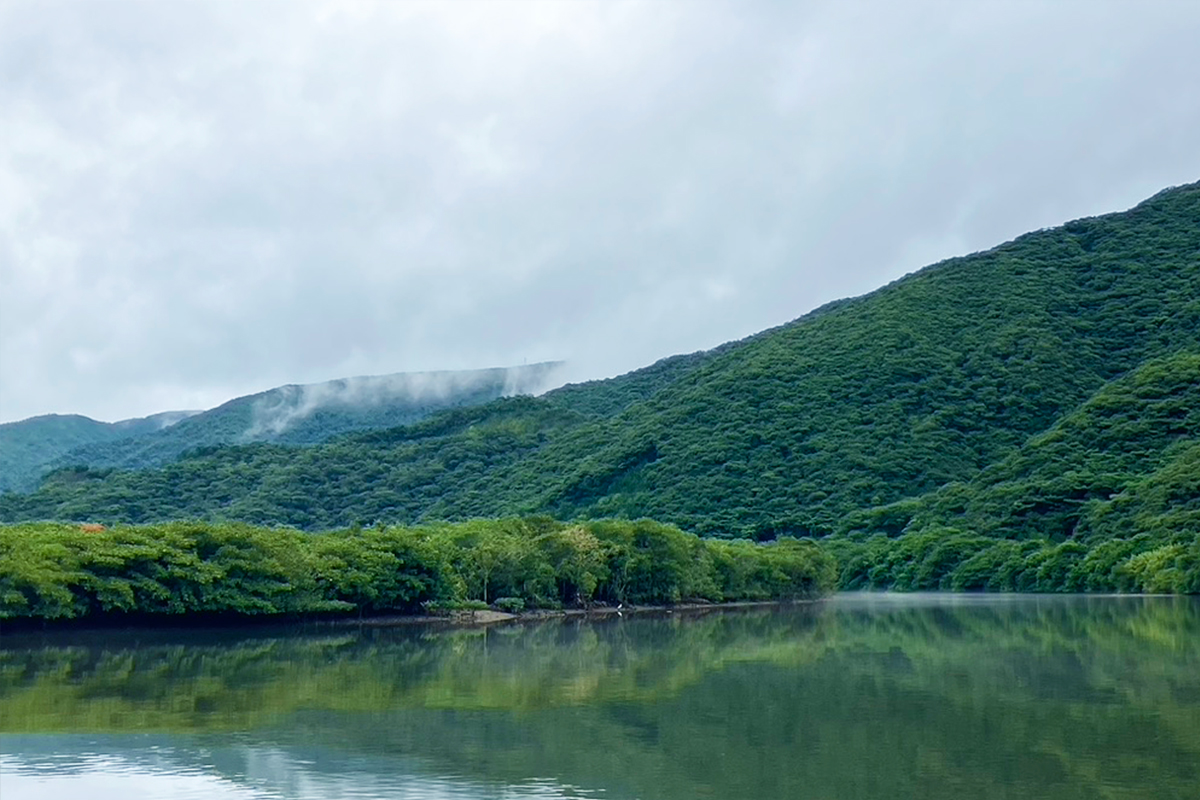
x: 949, y: 559
x: 59, y: 571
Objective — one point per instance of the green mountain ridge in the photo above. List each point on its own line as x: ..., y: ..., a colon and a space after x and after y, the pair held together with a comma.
x: 974, y: 395
x: 294, y: 414
x: 27, y: 446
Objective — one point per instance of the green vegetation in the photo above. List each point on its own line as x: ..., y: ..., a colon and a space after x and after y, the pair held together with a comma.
x: 1121, y: 464
x: 395, y: 475
x: 52, y: 571
x: 1044, y: 393
x: 947, y: 558
x: 1106, y: 500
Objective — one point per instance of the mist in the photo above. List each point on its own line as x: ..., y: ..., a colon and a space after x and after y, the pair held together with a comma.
x: 278, y: 411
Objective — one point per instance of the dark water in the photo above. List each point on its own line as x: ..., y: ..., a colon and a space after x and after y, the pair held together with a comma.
x: 860, y: 697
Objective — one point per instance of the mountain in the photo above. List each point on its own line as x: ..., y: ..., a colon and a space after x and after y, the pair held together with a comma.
x: 931, y: 396
x: 894, y: 394
x: 27, y: 446
x: 294, y: 414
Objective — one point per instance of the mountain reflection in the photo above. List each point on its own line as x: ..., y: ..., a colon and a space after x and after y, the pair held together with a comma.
x: 864, y: 696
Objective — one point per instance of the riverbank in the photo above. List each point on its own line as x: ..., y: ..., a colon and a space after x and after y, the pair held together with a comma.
x: 488, y: 616
x: 460, y: 618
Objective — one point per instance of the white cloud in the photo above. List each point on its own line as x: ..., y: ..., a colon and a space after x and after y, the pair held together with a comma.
x: 207, y: 199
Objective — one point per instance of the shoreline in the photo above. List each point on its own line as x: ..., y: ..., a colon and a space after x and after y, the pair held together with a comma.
x: 466, y: 618
x: 487, y: 616
x: 18, y: 633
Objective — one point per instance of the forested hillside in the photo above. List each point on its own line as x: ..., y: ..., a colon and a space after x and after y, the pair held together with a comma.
x: 1107, y: 500
x: 605, y: 398
x: 895, y: 394
x: 1123, y: 463
x: 1045, y: 390
x: 294, y: 414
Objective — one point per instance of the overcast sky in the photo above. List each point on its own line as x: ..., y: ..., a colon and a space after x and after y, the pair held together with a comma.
x: 200, y: 200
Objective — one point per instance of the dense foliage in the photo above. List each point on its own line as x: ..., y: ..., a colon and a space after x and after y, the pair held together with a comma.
x: 895, y: 394
x: 1108, y: 499
x: 1044, y: 391
x: 52, y: 571
x: 1123, y: 463
x: 949, y: 559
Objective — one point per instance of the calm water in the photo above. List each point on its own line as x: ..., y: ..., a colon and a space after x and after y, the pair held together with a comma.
x: 877, y: 696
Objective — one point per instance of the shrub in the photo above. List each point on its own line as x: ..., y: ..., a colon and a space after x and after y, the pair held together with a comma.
x: 510, y: 605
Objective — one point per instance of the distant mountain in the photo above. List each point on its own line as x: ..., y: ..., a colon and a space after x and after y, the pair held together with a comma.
x: 1043, y: 388
x: 26, y: 447
x: 293, y: 414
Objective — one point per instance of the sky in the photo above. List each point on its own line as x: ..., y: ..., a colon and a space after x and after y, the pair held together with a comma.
x: 207, y: 199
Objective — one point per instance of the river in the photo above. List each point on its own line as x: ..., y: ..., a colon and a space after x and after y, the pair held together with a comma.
x: 861, y: 696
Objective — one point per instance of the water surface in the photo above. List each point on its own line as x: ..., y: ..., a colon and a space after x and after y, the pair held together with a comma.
x: 863, y: 696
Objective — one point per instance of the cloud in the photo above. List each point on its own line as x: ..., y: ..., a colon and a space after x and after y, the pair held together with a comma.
x: 204, y: 200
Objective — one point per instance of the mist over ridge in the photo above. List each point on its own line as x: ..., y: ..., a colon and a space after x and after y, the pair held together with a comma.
x: 300, y: 414
x: 278, y: 410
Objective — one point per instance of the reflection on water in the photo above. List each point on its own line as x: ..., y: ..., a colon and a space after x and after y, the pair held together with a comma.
x: 865, y: 696
x: 155, y: 767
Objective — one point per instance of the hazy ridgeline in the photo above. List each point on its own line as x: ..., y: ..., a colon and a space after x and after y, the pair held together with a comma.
x: 52, y: 571
x: 295, y: 414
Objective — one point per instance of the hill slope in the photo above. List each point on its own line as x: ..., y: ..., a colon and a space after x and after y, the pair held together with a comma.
x: 874, y: 401
x: 1111, y: 468
x: 893, y: 394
